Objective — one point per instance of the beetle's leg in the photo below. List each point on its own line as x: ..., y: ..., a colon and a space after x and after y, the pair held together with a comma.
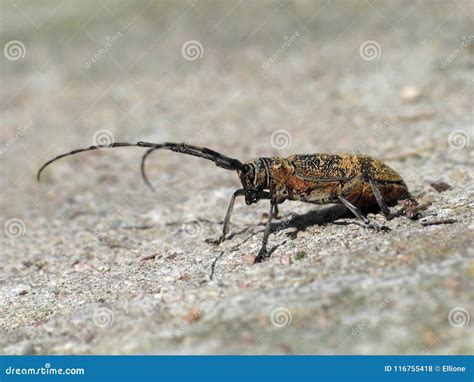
x: 356, y: 212
x: 263, y: 253
x: 275, y: 212
x: 380, y: 201
x: 225, y: 228
x: 411, y: 209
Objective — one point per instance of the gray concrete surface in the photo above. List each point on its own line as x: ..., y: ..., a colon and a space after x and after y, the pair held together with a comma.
x: 96, y: 263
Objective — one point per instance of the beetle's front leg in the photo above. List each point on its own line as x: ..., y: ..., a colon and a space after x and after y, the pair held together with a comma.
x: 263, y: 253
x: 252, y: 196
x: 225, y: 227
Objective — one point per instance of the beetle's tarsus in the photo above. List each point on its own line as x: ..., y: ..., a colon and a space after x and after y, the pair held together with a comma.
x: 262, y: 255
x: 410, y: 209
x: 376, y: 227
x: 215, y: 242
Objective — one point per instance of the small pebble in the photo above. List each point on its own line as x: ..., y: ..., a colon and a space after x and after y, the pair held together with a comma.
x: 194, y: 314
x: 440, y: 186
x: 409, y: 93
x: 285, y: 259
x: 300, y: 255
x: 80, y: 267
x: 248, y: 259
x: 21, y: 290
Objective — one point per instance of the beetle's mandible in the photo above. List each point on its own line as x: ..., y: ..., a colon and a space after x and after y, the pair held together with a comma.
x: 356, y: 181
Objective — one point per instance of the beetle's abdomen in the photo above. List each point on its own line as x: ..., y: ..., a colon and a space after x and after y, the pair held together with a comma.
x: 389, y: 182
x: 329, y: 173
x: 364, y: 198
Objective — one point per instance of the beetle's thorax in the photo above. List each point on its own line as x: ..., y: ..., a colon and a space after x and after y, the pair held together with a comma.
x: 265, y: 172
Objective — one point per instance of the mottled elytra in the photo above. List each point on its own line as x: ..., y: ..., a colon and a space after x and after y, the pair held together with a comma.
x: 356, y: 181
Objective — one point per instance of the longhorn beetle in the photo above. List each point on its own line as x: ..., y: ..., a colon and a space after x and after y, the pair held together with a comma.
x: 355, y: 181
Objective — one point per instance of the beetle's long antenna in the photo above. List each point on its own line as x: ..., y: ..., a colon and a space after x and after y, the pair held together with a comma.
x: 90, y: 148
x: 142, y: 169
x: 201, y: 152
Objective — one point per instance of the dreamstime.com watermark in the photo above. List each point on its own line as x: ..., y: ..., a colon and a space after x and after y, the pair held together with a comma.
x: 110, y: 41
x: 197, y: 136
x: 281, y: 139
x: 192, y: 50
x: 457, y: 230
x: 287, y: 42
x: 14, y: 228
x: 94, y: 236
x: 18, y: 135
x: 103, y: 137
x: 466, y: 41
x: 14, y: 50
x: 103, y: 317
x: 281, y: 317
x: 44, y: 370
x: 370, y: 50
x: 458, y: 139
x: 374, y: 312
x: 192, y: 317
x: 376, y: 131
x: 459, y: 317
x: 192, y: 229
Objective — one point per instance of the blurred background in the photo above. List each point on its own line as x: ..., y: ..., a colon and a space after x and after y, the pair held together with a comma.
x: 92, y: 252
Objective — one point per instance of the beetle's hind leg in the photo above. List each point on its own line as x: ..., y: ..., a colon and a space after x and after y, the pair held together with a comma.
x: 367, y: 223
x: 410, y: 209
x: 380, y: 200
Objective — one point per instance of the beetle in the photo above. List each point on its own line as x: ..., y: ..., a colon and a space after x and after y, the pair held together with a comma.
x: 358, y: 182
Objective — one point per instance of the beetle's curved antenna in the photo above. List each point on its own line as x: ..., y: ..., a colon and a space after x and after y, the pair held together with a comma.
x: 200, y: 152
x: 142, y: 169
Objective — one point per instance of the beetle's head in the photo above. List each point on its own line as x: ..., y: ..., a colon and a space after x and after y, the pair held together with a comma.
x: 254, y: 176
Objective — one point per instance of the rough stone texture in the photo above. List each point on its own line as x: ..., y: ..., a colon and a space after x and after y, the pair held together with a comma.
x: 102, y: 265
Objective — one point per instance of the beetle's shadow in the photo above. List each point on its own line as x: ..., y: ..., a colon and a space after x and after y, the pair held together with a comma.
x: 320, y: 216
